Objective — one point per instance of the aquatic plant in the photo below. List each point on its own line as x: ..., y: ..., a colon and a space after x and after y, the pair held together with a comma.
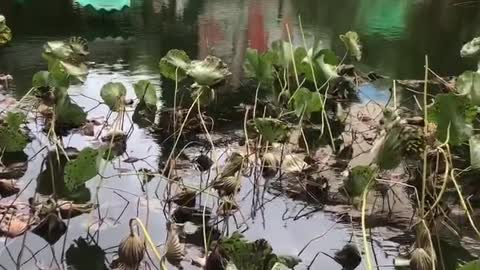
x: 5, y: 32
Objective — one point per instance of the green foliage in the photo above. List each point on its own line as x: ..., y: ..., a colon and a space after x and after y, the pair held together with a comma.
x: 283, y: 54
x: 272, y: 130
x: 147, y: 93
x: 473, y: 265
x: 388, y: 154
x: 352, y: 43
x: 246, y: 255
x: 359, y: 179
x: 81, y: 169
x: 12, y: 137
x: 317, y: 64
x: 209, y: 71
x: 5, y: 32
x: 305, y: 102
x: 469, y: 84
x: 260, y: 66
x: 41, y: 79
x: 454, y: 114
x: 474, y: 143
x: 113, y: 94
x: 471, y: 48
x: 173, y: 61
x: 69, y: 114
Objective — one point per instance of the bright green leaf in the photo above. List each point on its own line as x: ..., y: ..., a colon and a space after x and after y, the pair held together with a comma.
x: 272, y: 130
x: 147, y: 92
x: 352, y: 43
x: 79, y: 71
x: 174, y: 65
x: 113, y: 94
x: 305, y: 102
x: 208, y: 72
x: 81, y: 169
x: 454, y: 114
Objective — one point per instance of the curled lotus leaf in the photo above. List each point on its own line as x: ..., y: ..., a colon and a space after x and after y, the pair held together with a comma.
x: 79, y: 71
x: 468, y: 84
x: 329, y: 70
x: 352, y: 43
x: 174, y: 65
x: 15, y: 119
x: 471, y: 48
x: 5, y: 32
x: 69, y: 114
x: 147, y: 93
x: 208, y: 72
x: 113, y: 94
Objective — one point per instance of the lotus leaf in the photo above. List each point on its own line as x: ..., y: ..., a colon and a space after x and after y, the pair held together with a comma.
x: 259, y: 66
x: 473, y: 265
x: 205, y: 94
x: 272, y: 130
x: 305, y: 102
x: 387, y: 151
x: 83, y: 168
x: 147, y: 93
x: 15, y: 119
x: 475, y: 151
x: 174, y: 65
x: 471, y: 48
x: 12, y: 139
x: 79, y: 71
x: 5, y: 32
x: 283, y: 53
x: 454, y: 114
x: 57, y: 50
x: 113, y: 94
x: 69, y: 114
x: 352, y: 43
x: 41, y: 79
x: 469, y: 84
x: 329, y: 70
x: 208, y: 72
x: 359, y: 179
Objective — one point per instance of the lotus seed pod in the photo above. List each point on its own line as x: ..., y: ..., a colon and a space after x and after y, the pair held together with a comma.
x: 421, y: 260
x: 131, y: 251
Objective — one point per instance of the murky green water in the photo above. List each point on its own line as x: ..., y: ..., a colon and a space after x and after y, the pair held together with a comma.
x: 127, y: 44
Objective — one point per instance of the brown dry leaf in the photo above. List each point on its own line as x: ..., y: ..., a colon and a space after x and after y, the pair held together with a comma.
x: 13, y: 225
x: 175, y: 251
x: 88, y: 129
x: 68, y: 209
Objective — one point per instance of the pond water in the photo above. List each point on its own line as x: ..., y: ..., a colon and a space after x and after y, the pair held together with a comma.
x: 127, y: 40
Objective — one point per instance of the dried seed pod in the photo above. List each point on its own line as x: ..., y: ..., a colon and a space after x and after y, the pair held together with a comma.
x: 186, y: 197
x: 131, y: 250
x: 270, y: 164
x: 232, y: 166
x: 175, y: 251
x: 421, y: 260
x: 8, y: 188
x: 227, y: 186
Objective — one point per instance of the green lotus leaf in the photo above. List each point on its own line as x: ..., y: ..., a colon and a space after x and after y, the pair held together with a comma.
x: 209, y: 71
x: 259, y: 66
x: 69, y: 114
x: 474, y: 143
x: 12, y: 139
x: 455, y: 114
x: 305, y: 102
x: 15, y: 119
x: 473, y: 265
x: 83, y: 168
x: 352, y: 43
x: 79, y: 71
x: 469, y: 84
x: 272, y: 130
x: 329, y: 70
x: 389, y: 149
x: 41, y: 79
x: 57, y: 50
x: 283, y: 53
x: 174, y: 65
x: 5, y: 32
x: 147, y: 93
x: 359, y: 179
x: 471, y: 48
x: 113, y: 94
